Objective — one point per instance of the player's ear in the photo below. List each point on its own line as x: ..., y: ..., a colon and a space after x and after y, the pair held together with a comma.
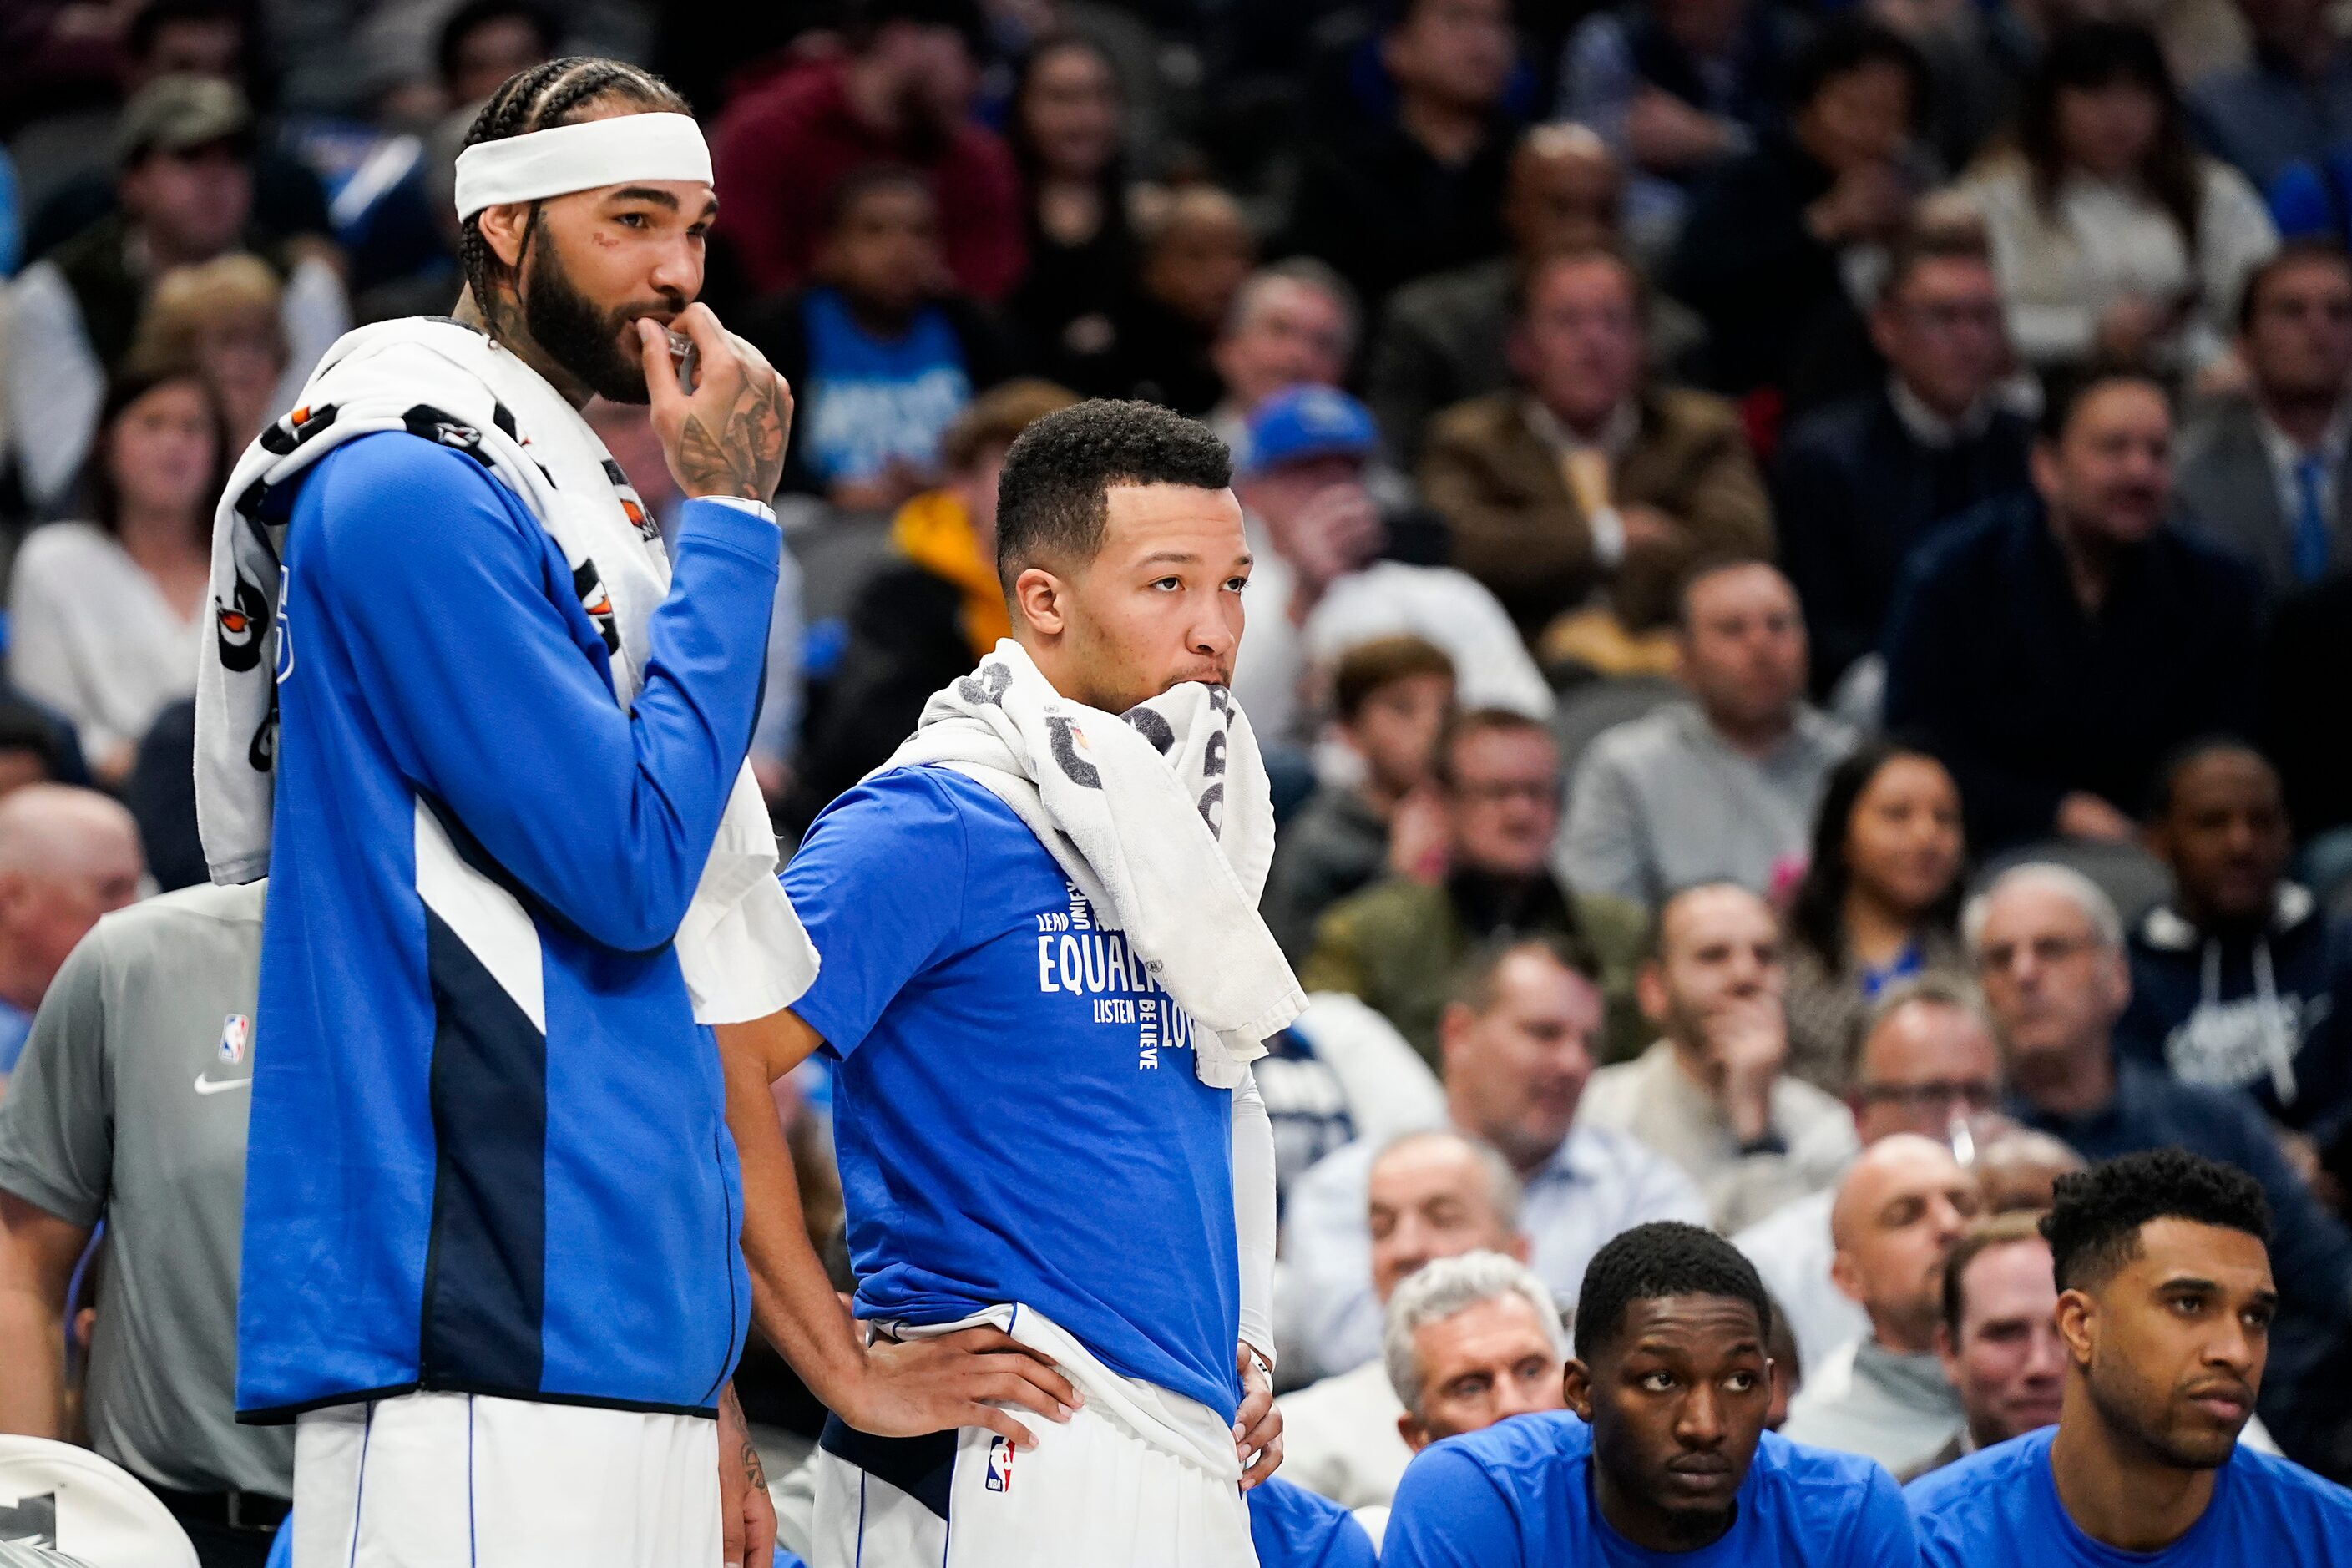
x: 2078, y: 1324
x: 1040, y: 600
x: 1576, y: 1388
x: 503, y: 226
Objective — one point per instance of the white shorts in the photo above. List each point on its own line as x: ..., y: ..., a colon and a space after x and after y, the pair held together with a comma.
x: 461, y: 1480
x: 1089, y: 1495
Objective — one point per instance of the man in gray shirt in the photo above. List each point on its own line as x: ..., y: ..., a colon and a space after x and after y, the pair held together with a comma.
x: 1721, y: 789
x: 130, y: 1104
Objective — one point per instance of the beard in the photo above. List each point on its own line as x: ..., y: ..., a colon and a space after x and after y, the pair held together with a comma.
x: 581, y: 337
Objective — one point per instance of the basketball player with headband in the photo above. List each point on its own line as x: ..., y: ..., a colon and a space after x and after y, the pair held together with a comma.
x: 486, y: 735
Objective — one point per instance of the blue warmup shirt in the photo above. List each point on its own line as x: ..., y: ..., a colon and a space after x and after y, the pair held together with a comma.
x: 1520, y: 1492
x: 1293, y: 1528
x: 437, y: 1195
x: 1016, y: 1114
x: 2000, y: 1508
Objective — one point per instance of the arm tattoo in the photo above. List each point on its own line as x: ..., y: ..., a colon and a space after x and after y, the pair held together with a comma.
x: 754, y: 1473
x: 745, y: 455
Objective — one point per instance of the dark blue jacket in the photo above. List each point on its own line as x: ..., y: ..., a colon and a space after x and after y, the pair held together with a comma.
x: 1992, y: 662
x: 1855, y: 495
x: 2263, y: 1012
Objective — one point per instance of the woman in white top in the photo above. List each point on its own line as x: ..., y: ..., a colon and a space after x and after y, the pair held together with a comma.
x: 2113, y: 238
x: 105, y: 617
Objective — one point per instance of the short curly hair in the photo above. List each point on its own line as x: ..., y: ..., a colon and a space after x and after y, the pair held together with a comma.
x: 2093, y: 1225
x: 1053, y: 496
x: 1663, y: 1258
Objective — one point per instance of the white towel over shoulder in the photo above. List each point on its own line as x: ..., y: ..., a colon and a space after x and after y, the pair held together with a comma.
x: 742, y: 948
x: 1163, y: 818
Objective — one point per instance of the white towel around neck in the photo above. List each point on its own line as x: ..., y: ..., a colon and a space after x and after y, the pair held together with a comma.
x: 1163, y: 818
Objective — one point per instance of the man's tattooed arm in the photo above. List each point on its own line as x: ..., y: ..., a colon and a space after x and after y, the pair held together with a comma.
x: 744, y: 454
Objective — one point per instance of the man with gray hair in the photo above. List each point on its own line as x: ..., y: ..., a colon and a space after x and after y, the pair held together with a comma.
x: 2049, y: 951
x: 1472, y: 1340
x: 67, y: 856
x: 1431, y: 1196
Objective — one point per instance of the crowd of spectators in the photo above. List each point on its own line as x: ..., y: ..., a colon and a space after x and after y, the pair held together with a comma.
x: 1803, y: 575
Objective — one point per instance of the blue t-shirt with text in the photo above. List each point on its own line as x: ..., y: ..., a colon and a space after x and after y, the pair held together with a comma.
x: 870, y: 399
x: 1520, y: 1494
x: 2000, y: 1508
x: 1016, y: 1111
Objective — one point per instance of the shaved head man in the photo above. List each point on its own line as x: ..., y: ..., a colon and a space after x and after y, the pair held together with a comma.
x: 67, y: 856
x: 1897, y: 1215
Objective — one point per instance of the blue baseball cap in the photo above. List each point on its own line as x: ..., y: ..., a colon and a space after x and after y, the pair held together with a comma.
x: 1304, y: 421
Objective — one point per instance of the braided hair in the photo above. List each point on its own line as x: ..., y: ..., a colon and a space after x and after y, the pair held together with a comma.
x: 539, y: 99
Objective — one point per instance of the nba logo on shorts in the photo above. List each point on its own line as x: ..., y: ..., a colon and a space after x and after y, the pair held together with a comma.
x: 236, y: 1029
x: 1000, y: 1465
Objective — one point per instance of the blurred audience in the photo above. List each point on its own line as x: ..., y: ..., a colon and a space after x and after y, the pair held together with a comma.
x: 881, y: 355
x: 106, y: 616
x: 1783, y: 244
x: 1712, y: 1095
x: 1860, y: 485
x: 2112, y: 235
x: 1430, y: 1196
x: 223, y: 317
x: 1292, y: 324
x: 1927, y: 1064
x: 1399, y: 943
x: 2018, y: 1169
x: 1408, y: 179
x: 2289, y: 99
x: 1900, y: 1208
x: 2052, y: 648
x: 1676, y: 86
x: 1340, y: 1074
x: 1721, y: 788
x: 1879, y: 903
x: 1998, y: 1334
x: 483, y: 42
x: 1516, y: 1047
x: 1316, y: 536
x: 1585, y: 478
x: 900, y: 95
x: 67, y: 856
x: 928, y: 615
x: 2266, y: 475
x: 1445, y: 337
x: 184, y: 155
x: 1067, y: 139
x: 1195, y: 251
x: 2241, y: 980
x: 1390, y: 698
x: 2049, y: 948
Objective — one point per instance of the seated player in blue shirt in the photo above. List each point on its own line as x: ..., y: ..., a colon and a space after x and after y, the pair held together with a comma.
x: 1291, y: 1527
x: 1662, y: 1457
x: 2165, y: 1305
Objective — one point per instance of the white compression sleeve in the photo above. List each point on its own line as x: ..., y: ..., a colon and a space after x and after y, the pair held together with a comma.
x: 1253, y: 1220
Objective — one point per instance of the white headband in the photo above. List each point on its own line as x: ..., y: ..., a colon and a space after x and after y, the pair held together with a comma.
x: 583, y: 157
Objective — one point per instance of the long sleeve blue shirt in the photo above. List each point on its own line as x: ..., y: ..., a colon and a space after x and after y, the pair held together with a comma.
x: 442, y: 1193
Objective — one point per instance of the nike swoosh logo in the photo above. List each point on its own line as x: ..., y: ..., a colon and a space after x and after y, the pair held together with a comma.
x: 206, y: 1084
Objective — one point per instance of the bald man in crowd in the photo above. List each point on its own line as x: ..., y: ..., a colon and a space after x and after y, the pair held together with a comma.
x: 1897, y: 1213
x: 1927, y: 1063
x: 67, y: 856
x: 1431, y: 1196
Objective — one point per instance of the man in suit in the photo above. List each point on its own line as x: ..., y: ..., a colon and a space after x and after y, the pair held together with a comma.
x: 1582, y: 477
x: 1861, y: 483
x: 2266, y: 477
